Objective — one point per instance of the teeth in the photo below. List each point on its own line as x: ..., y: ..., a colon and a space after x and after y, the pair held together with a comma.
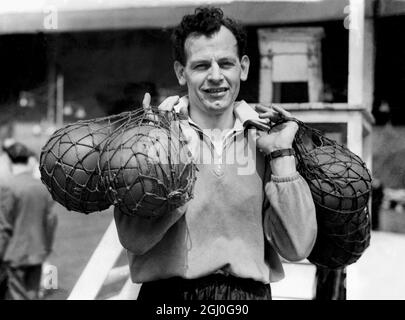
x: 216, y: 90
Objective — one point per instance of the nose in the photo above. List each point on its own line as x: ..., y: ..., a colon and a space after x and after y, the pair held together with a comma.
x: 215, y: 74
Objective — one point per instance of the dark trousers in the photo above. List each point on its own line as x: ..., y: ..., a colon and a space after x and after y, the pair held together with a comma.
x: 330, y: 284
x: 3, y: 280
x: 22, y: 283
x: 211, y: 287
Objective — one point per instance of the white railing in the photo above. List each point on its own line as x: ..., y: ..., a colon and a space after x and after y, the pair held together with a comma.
x: 100, y: 271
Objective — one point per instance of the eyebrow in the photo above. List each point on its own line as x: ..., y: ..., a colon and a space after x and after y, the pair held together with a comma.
x: 224, y: 59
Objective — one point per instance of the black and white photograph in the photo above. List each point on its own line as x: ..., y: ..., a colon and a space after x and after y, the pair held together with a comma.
x: 210, y: 151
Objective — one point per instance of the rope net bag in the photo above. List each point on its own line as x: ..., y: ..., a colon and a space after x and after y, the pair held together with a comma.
x: 69, y: 163
x: 340, y: 184
x: 146, y: 166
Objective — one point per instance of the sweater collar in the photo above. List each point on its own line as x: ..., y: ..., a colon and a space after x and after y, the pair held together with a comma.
x: 239, y: 120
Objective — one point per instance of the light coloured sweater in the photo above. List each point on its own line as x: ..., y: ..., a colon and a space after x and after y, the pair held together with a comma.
x: 239, y: 221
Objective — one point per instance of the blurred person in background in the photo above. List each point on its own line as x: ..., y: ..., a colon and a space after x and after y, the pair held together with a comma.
x: 377, y: 197
x: 27, y: 226
x: 5, y: 163
x: 5, y: 169
x: 5, y: 174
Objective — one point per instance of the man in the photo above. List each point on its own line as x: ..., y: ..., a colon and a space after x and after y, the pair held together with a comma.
x: 27, y: 226
x: 226, y: 241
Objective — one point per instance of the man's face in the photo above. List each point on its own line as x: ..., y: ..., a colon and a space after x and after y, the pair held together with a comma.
x: 213, y: 71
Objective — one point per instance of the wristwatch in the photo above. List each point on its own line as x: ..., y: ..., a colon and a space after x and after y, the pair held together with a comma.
x: 282, y: 153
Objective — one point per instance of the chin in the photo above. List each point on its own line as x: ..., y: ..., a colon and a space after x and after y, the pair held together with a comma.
x: 220, y: 104
x: 217, y: 107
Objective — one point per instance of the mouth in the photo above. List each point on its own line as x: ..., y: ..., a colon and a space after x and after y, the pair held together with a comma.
x: 215, y: 91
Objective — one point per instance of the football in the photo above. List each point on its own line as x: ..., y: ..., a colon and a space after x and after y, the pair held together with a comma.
x: 148, y: 171
x: 69, y: 167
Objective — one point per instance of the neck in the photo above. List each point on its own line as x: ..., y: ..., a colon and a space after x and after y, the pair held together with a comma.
x: 20, y: 168
x: 223, y: 121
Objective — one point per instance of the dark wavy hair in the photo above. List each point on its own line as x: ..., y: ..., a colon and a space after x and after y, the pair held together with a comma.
x: 205, y: 21
x: 18, y: 153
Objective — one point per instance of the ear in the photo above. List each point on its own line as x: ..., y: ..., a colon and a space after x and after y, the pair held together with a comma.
x: 244, y: 63
x: 179, y: 70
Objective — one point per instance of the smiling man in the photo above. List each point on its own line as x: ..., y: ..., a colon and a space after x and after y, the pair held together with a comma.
x: 212, y: 71
x: 226, y: 241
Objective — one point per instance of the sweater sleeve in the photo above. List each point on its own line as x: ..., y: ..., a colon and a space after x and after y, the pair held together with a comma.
x: 289, y: 217
x: 138, y: 234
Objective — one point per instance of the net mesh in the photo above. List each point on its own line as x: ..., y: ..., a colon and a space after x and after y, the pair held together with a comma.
x: 69, y: 163
x: 147, y: 166
x: 340, y: 184
x: 137, y: 161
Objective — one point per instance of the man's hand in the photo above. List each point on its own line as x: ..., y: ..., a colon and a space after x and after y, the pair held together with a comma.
x: 280, y: 136
x: 179, y: 105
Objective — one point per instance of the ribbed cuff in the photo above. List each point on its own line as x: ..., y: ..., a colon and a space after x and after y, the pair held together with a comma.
x: 289, y: 178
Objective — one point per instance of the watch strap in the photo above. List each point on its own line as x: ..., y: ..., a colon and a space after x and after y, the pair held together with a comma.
x: 282, y: 153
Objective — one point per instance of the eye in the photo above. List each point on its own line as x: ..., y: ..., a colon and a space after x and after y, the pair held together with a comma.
x: 201, y: 66
x: 227, y: 64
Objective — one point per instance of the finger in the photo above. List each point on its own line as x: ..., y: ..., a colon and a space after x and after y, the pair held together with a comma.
x: 268, y: 113
x: 146, y: 106
x: 275, y: 109
x: 262, y: 108
x: 271, y: 115
x: 265, y: 110
x: 182, y: 107
x: 282, y: 111
x: 168, y: 103
x: 274, y: 113
x: 146, y: 101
